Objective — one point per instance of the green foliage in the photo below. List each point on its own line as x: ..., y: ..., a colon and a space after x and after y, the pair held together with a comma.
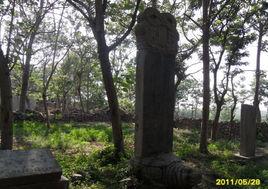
x: 250, y: 169
x: 188, y: 97
x: 224, y: 164
x: 86, y: 149
x: 82, y: 73
x: 80, y: 148
x: 225, y: 114
x: 189, y: 88
x: 263, y: 88
x: 62, y: 136
x: 221, y: 160
x: 120, y: 15
x: 222, y: 147
x: 186, y: 143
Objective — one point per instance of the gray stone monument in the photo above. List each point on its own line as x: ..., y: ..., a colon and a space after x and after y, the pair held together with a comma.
x: 157, y: 41
x: 247, y: 131
x: 30, y: 169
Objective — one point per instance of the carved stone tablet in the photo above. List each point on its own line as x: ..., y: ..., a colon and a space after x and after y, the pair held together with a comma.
x: 26, y: 167
x: 247, y: 131
x: 154, y: 163
x: 157, y: 44
x: 157, y: 32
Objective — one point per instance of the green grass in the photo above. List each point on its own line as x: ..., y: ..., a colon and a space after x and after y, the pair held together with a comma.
x: 63, y: 136
x: 221, y: 161
x: 87, y: 149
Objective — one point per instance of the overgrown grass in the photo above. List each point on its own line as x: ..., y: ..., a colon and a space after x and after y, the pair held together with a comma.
x: 221, y: 161
x: 63, y: 136
x: 87, y: 149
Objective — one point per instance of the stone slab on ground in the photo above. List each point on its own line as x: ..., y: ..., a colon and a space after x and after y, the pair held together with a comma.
x: 22, y: 167
x: 261, y: 152
x: 257, y: 156
x: 63, y: 183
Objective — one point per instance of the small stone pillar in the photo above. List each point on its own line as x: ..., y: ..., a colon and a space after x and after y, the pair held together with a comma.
x: 157, y: 42
x: 247, y: 131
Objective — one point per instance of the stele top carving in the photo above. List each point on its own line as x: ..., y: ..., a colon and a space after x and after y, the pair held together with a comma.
x: 156, y: 31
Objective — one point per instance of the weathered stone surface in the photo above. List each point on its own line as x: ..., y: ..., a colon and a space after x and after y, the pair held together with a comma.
x: 247, y: 131
x: 63, y: 183
x: 154, y: 162
x: 166, y: 169
x: 157, y: 47
x: 27, y: 167
x: 157, y: 32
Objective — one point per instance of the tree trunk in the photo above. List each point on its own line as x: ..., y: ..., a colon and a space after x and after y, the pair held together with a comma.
x: 26, y: 75
x: 64, y: 101
x: 192, y: 113
x: 64, y: 109
x: 232, y: 129
x: 105, y: 63
x: 215, y: 125
x: 29, y: 50
x: 6, y: 117
x: 258, y: 74
x: 87, y: 96
x: 97, y: 25
x: 44, y: 96
x: 232, y: 115
x: 81, y: 104
x: 178, y: 82
x: 195, y: 110
x: 80, y: 94
x: 267, y: 114
x: 112, y: 98
x: 258, y: 115
x: 58, y: 102
x: 206, y: 90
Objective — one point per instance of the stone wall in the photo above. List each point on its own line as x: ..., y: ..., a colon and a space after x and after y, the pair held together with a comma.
x: 226, y: 130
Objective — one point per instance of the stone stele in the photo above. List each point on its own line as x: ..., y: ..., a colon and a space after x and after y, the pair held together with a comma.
x: 28, y: 167
x: 157, y: 43
x: 247, y: 131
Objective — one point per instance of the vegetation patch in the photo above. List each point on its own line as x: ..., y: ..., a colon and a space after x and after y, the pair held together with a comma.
x: 86, y: 150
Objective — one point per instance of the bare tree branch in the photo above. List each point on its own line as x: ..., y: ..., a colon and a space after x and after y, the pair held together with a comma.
x: 10, y: 29
x: 196, y: 23
x: 173, y: 6
x: 119, y: 40
x: 89, y: 18
x: 185, y: 35
x: 193, y: 65
x: 194, y: 72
